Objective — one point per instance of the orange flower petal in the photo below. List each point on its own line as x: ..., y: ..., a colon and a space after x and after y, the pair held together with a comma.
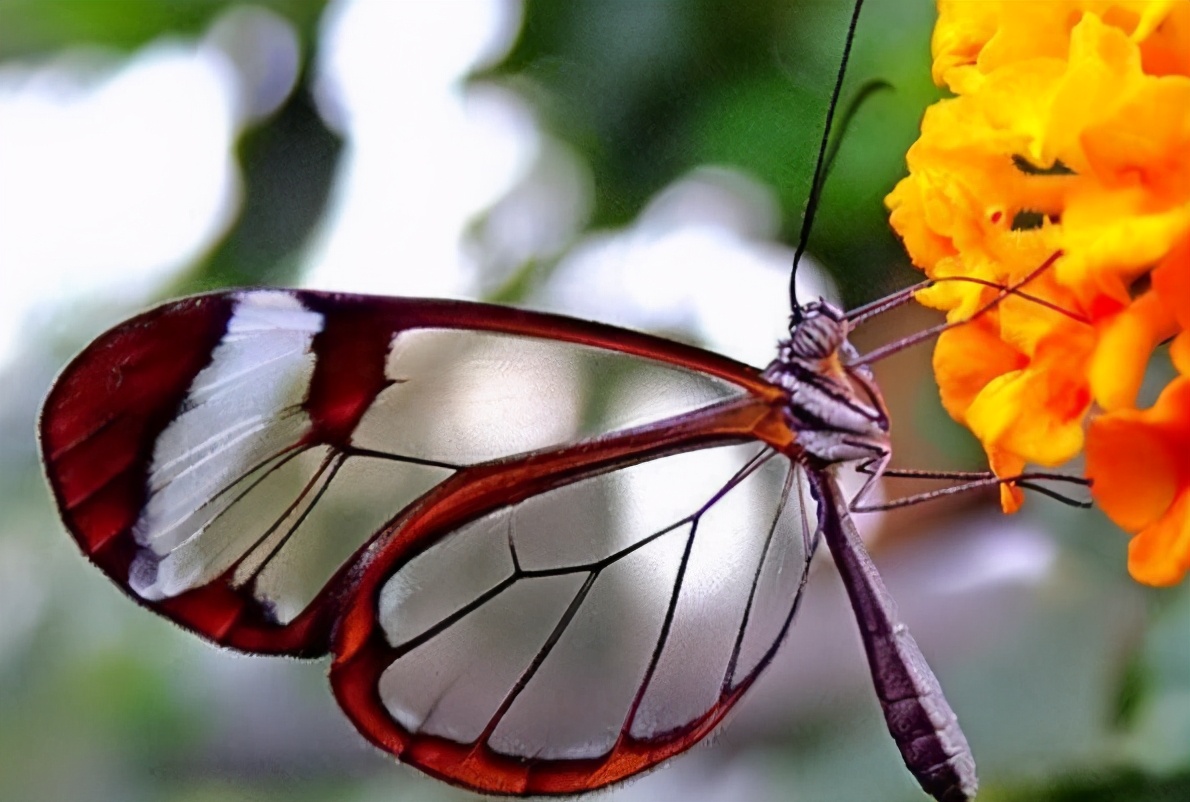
x: 1037, y: 412
x: 1139, y: 462
x: 1145, y: 140
x: 1153, y: 13
x: 1164, y: 29
x: 960, y: 377
x: 910, y: 219
x: 1125, y: 343
x: 1179, y: 353
x: 1110, y: 241
x: 1132, y: 472
x: 1103, y: 68
x: 1004, y: 463
x: 1027, y: 325
x: 1160, y: 553
x: 1012, y: 413
x: 1171, y: 281
x: 962, y: 31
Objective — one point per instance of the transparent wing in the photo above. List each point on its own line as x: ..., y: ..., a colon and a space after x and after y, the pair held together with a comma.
x: 585, y: 633
x: 225, y: 458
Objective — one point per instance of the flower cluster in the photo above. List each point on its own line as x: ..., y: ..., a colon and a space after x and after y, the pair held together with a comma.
x: 1066, y: 145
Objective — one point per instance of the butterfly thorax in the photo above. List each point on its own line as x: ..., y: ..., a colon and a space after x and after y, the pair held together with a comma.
x: 833, y: 405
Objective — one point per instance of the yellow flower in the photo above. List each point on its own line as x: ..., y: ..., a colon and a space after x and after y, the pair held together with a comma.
x: 1068, y: 135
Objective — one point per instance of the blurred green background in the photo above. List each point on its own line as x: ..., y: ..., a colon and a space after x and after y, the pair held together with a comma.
x: 526, y: 154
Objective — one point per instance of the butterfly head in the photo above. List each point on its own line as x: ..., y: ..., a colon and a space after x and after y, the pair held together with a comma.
x: 817, y: 333
x: 833, y: 404
x: 818, y: 344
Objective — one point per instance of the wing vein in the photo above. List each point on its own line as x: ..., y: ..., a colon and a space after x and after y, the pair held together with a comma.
x: 330, y: 466
x: 285, y: 455
x: 667, y: 623
x: 211, y: 388
x: 797, y: 598
x: 539, y: 658
x: 356, y: 451
x: 232, y: 435
x: 729, y: 674
x: 401, y: 649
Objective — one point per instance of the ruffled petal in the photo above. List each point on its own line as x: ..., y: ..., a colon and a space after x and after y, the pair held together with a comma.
x: 960, y: 377
x: 1139, y: 464
x: 1005, y: 463
x: 1171, y: 282
x: 1036, y: 413
x: 1133, y: 474
x: 1125, y: 343
x: 1160, y: 553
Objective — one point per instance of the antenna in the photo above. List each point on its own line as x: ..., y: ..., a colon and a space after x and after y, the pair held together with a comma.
x: 821, y: 165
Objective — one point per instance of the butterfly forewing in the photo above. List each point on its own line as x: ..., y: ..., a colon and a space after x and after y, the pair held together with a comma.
x: 224, y: 457
x: 586, y: 632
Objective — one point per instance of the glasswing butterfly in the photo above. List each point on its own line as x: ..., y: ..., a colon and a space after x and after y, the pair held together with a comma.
x: 544, y: 554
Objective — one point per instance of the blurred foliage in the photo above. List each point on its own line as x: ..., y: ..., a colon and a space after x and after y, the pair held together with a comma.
x: 644, y: 92
x: 288, y: 169
x: 648, y: 91
x: 37, y: 28
x: 288, y: 163
x: 1105, y: 786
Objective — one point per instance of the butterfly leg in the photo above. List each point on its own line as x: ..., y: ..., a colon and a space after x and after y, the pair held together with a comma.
x: 966, y: 482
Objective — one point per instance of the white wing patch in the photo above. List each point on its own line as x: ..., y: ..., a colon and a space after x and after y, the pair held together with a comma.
x: 242, y: 413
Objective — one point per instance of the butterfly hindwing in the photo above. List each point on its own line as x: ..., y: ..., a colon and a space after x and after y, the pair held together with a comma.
x: 584, y: 633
